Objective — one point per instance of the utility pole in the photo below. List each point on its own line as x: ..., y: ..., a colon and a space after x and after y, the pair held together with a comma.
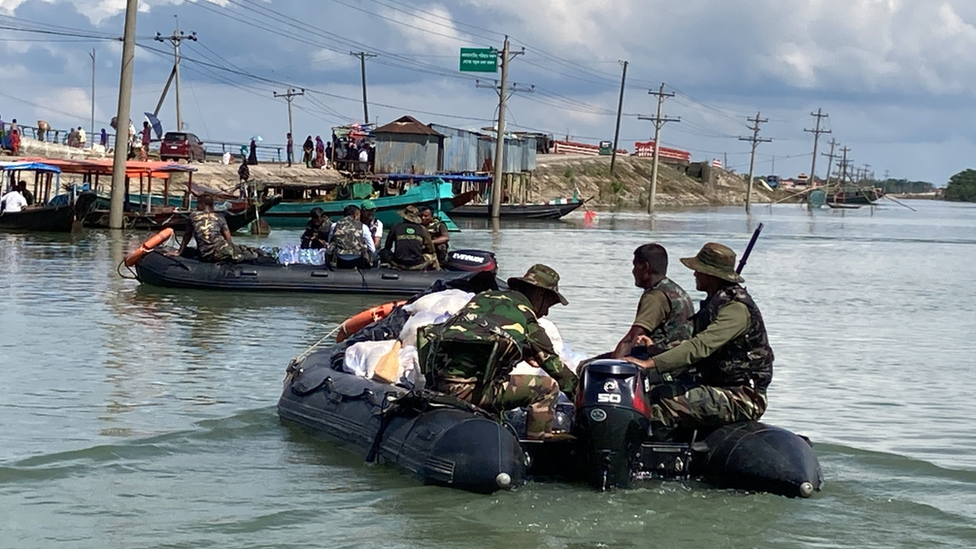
x: 755, y: 140
x: 177, y: 37
x: 289, y: 96
x: 122, y: 116
x: 816, y: 138
x: 659, y: 122
x: 830, y: 162
x: 843, y: 165
x: 506, y: 56
x: 620, y: 108
x: 91, y: 136
x: 363, y: 56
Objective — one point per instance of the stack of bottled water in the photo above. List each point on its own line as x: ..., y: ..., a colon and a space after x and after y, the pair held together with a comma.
x: 291, y: 255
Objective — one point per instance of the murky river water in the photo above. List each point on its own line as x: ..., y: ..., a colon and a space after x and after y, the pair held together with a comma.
x: 140, y: 417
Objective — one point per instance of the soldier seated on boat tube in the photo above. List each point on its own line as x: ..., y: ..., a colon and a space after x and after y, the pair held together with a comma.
x: 719, y: 375
x: 664, y: 311
x: 408, y: 245
x: 439, y: 234
x: 350, y: 241
x: 316, y: 235
x: 473, y: 353
x: 214, y: 243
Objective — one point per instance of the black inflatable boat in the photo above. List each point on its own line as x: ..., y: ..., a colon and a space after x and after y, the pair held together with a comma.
x: 447, y: 442
x: 160, y: 269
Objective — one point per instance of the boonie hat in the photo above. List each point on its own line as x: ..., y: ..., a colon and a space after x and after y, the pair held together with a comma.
x: 716, y: 260
x: 540, y: 276
x: 411, y: 214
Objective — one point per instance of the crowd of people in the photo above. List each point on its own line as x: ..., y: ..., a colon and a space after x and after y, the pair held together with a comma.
x: 419, y: 242
x: 338, y: 154
x: 711, y: 368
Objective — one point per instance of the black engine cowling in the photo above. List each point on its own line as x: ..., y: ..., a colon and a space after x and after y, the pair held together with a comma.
x: 471, y: 261
x: 612, y: 421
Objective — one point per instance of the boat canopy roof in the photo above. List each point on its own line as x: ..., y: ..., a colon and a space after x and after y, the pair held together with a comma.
x: 104, y: 167
x: 29, y: 166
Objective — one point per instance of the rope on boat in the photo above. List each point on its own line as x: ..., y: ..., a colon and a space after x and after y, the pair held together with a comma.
x: 315, y: 345
x: 119, y: 270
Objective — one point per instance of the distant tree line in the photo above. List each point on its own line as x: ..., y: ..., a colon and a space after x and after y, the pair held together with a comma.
x: 904, y: 186
x: 962, y: 187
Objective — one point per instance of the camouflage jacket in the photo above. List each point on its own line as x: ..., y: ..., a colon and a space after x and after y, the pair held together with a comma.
x: 677, y: 326
x: 747, y: 359
x: 459, y: 350
x: 347, y: 237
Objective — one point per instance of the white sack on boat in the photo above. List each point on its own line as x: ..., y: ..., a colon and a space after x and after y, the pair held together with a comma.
x: 361, y: 360
x: 448, y: 301
x: 408, y: 335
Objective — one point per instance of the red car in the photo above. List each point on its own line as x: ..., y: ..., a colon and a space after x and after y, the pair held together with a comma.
x: 177, y: 145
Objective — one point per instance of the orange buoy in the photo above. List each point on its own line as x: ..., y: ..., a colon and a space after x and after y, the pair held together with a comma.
x: 147, y: 246
x: 359, y: 321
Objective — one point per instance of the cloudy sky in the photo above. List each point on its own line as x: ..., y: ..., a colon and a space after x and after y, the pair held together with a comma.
x: 897, y: 77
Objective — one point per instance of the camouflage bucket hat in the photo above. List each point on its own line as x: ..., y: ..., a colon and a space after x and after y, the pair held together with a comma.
x: 411, y: 214
x: 540, y: 276
x: 715, y: 260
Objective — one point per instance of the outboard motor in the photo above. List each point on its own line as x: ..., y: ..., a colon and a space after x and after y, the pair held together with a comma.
x: 471, y: 260
x: 612, y: 421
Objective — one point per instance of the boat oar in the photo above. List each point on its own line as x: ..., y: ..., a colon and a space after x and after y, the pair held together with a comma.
x: 900, y: 203
x: 748, y: 252
x: 389, y: 365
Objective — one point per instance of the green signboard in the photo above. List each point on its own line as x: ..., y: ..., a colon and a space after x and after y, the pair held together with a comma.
x: 479, y: 60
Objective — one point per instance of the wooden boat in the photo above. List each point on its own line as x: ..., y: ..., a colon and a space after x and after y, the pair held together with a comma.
x: 45, y: 214
x: 846, y: 195
x: 293, y: 212
x: 238, y: 217
x: 519, y: 211
x: 61, y: 219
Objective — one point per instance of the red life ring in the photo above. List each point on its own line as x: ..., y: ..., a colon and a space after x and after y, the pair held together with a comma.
x: 359, y: 321
x: 147, y: 246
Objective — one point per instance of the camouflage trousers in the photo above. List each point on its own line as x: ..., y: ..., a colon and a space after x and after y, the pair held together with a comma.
x: 539, y: 393
x: 236, y: 253
x: 429, y: 263
x: 689, y: 406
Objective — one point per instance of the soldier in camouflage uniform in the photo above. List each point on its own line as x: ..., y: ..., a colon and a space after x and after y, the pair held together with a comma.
x: 720, y: 375
x: 212, y: 235
x: 664, y: 312
x: 472, y: 355
x: 439, y: 234
x: 349, y: 237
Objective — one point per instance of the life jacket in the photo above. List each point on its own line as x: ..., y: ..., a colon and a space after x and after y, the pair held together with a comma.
x: 746, y: 360
x: 677, y: 326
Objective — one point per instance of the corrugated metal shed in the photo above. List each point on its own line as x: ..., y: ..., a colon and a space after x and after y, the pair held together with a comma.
x: 407, y: 146
x: 528, y: 154
x: 459, y: 152
x: 467, y: 151
x: 401, y: 153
